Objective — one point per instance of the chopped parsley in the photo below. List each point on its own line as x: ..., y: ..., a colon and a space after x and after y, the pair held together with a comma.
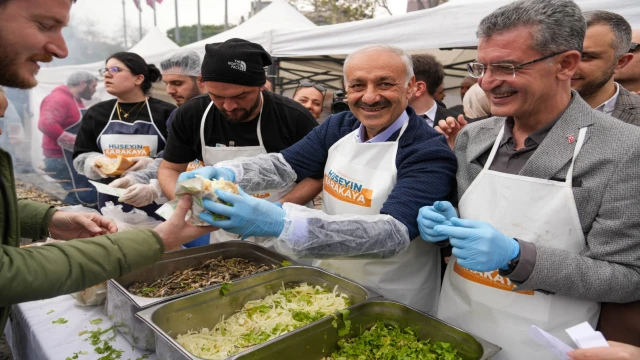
x: 225, y: 288
x: 96, y: 321
x: 286, y: 263
x: 60, y: 321
x: 50, y: 312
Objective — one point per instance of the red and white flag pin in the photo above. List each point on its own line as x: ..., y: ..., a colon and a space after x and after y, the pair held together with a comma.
x: 571, y: 138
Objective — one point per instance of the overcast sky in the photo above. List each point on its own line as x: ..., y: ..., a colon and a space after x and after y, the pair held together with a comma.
x: 107, y: 14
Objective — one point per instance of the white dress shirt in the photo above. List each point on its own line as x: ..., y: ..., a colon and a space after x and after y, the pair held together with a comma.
x: 608, y: 106
x: 431, y: 114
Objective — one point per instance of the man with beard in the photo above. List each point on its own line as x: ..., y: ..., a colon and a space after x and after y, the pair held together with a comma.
x: 606, y: 52
x: 181, y: 73
x: 380, y: 163
x: 59, y: 112
x: 629, y: 76
x: 237, y: 118
x: 31, y: 31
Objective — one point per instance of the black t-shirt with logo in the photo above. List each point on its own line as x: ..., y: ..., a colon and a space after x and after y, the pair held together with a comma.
x: 283, y: 123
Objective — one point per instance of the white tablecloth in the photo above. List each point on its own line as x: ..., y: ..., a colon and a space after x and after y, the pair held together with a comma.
x: 32, y: 336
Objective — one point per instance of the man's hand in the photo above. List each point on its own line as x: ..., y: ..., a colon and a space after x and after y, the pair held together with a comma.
x: 177, y: 231
x: 478, y: 245
x: 430, y: 216
x: 66, y: 140
x: 210, y: 173
x: 74, y: 225
x: 450, y: 128
x: 139, y: 163
x: 248, y: 216
x: 616, y: 351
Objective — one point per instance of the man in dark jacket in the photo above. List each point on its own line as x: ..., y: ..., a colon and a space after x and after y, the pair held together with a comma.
x: 58, y: 112
x: 62, y: 268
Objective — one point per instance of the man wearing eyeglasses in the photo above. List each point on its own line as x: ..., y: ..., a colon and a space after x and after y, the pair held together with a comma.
x: 548, y: 195
x: 629, y: 76
x: 605, y: 52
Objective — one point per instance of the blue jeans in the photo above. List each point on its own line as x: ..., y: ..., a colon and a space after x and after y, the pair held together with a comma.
x: 59, y: 171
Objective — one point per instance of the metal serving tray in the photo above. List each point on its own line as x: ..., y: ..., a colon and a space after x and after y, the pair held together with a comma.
x: 206, y: 309
x: 321, y: 338
x: 122, y: 305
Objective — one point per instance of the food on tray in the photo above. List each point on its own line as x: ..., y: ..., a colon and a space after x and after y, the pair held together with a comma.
x: 212, y: 272
x: 391, y: 342
x: 114, y: 167
x: 221, y: 184
x: 261, y: 320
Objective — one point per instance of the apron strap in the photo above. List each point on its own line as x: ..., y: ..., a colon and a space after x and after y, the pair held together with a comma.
x: 105, y: 128
x: 581, y: 138
x: 259, y: 131
x: 494, y: 149
x: 202, y: 122
x: 153, y: 123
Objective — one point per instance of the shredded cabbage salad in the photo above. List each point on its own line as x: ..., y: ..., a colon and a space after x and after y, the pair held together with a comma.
x: 262, y: 320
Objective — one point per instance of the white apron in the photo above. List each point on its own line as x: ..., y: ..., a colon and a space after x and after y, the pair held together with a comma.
x: 366, y: 175
x: 530, y: 209
x: 140, y: 138
x: 212, y: 155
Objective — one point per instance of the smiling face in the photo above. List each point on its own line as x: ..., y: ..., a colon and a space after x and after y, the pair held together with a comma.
x: 123, y: 81
x: 598, y: 62
x: 311, y: 98
x: 535, y: 88
x: 238, y: 103
x: 30, y: 32
x: 376, y: 88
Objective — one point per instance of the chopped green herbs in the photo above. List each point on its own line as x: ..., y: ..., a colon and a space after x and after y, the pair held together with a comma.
x: 225, y: 288
x: 50, y: 312
x: 383, y: 342
x: 96, y: 321
x: 286, y: 263
x: 76, y: 355
x: 60, y: 321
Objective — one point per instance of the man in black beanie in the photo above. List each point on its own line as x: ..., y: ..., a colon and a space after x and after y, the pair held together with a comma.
x: 237, y: 117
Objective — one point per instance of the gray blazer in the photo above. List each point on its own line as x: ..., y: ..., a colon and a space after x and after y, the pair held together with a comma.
x: 627, y: 107
x: 607, y: 194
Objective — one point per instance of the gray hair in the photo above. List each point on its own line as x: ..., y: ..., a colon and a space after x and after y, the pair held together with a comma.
x: 618, y: 25
x: 558, y: 25
x: 406, y: 58
x: 80, y: 77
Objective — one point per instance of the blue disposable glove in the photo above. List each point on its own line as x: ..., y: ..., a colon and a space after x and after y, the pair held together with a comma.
x: 478, y: 245
x: 209, y: 173
x: 248, y: 216
x: 430, y: 216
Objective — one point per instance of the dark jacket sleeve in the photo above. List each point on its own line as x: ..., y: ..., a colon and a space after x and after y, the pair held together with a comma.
x: 61, y: 268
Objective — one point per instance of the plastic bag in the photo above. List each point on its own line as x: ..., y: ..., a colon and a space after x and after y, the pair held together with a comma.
x: 196, y: 188
x: 135, y: 219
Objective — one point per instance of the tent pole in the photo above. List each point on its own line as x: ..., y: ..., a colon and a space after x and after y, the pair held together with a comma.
x: 199, y: 24
x: 155, y: 19
x: 124, y: 24
x: 140, y: 22
x: 226, y: 17
x: 177, y: 32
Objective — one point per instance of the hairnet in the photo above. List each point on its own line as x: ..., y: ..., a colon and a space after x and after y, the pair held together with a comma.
x: 181, y: 63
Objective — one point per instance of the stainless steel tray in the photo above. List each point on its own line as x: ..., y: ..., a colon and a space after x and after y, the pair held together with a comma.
x: 205, y: 309
x: 122, y: 305
x: 321, y: 338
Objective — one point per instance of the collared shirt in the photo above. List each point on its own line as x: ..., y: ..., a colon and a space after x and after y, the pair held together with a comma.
x: 386, y: 134
x: 608, y: 106
x: 508, y: 159
x: 431, y: 114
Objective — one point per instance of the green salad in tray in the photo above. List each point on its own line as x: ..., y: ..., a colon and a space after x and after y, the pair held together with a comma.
x: 383, y: 342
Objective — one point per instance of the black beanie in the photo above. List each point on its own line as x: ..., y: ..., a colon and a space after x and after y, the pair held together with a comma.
x: 235, y: 61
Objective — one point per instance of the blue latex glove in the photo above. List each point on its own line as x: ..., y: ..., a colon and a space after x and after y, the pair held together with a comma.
x: 210, y: 173
x: 430, y: 216
x: 248, y: 216
x: 278, y: 204
x: 478, y: 245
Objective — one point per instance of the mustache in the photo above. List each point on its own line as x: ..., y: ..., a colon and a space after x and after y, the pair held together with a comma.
x: 42, y: 58
x: 381, y: 103
x: 502, y: 90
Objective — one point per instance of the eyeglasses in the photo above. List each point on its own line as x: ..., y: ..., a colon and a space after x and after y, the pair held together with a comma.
x: 111, y: 70
x: 503, y: 71
x: 634, y: 47
x: 307, y: 84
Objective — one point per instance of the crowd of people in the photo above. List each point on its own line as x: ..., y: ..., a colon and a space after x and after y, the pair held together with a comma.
x: 510, y: 210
